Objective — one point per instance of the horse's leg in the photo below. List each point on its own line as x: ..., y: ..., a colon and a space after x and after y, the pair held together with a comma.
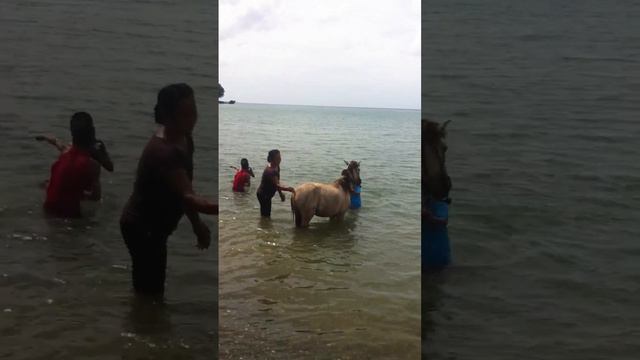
x: 298, y: 218
x: 308, y: 215
x: 339, y: 217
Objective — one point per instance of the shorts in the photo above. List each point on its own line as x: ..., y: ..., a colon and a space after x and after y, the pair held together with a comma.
x: 148, y: 257
x: 265, y: 204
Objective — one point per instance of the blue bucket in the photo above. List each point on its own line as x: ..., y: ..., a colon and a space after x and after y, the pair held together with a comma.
x: 356, y: 202
x: 436, y: 251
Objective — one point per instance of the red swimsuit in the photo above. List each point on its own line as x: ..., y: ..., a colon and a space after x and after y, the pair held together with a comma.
x: 71, y: 175
x: 240, y: 179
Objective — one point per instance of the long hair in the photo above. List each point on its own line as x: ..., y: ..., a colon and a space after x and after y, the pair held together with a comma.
x: 272, y: 154
x: 83, y: 133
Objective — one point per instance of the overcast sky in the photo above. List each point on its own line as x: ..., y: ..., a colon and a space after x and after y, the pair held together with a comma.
x: 335, y: 53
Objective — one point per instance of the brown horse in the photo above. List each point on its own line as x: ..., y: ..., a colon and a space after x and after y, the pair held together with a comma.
x: 325, y: 200
x: 436, y: 183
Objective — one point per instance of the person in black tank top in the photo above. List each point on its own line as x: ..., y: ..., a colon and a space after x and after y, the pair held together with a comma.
x: 270, y: 183
x: 162, y: 192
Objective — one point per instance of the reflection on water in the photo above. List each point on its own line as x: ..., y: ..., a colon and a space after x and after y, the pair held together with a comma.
x: 431, y: 300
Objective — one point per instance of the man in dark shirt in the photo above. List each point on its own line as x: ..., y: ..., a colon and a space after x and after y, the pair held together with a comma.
x: 271, y: 183
x: 162, y: 192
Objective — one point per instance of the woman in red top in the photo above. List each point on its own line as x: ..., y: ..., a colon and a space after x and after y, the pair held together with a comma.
x: 242, y: 178
x: 75, y: 176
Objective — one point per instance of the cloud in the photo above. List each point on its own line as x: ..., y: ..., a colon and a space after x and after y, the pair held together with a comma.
x: 348, y: 53
x: 253, y: 19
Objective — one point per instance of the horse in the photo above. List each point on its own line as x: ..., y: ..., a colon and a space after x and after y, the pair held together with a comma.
x: 325, y: 200
x: 436, y: 185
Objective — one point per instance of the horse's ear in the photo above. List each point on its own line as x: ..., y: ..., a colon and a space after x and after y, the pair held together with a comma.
x: 443, y: 127
x: 346, y: 162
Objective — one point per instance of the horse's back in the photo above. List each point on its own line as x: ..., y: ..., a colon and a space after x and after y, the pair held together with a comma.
x: 332, y: 201
x: 306, y: 195
x: 325, y: 199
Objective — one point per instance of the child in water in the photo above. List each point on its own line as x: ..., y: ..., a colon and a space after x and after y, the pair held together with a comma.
x: 75, y: 176
x: 270, y: 183
x: 163, y: 191
x: 242, y: 178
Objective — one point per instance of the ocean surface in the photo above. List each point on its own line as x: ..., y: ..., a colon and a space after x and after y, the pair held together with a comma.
x: 65, y: 289
x: 333, y: 291
x: 544, y: 158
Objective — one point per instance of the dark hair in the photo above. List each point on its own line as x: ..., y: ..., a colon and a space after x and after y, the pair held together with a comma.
x: 83, y: 133
x: 272, y: 154
x: 244, y: 163
x: 169, y: 98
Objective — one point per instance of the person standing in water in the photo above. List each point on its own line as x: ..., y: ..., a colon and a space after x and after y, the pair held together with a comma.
x: 242, y: 178
x: 163, y: 192
x: 75, y: 176
x: 271, y: 183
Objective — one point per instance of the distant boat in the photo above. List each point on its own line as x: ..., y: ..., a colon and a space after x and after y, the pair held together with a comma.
x: 231, y: 102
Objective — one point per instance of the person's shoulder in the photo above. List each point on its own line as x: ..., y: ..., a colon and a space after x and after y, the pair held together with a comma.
x: 160, y: 150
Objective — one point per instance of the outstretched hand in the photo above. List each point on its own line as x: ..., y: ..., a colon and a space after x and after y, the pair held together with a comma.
x: 100, y: 154
x: 203, y: 234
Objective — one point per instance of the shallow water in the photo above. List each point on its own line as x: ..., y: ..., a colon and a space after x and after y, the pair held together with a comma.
x: 65, y: 286
x: 544, y: 160
x: 347, y: 290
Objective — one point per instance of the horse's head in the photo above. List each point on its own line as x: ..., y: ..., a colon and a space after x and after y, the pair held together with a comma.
x: 435, y: 179
x: 353, y: 167
x: 351, y: 176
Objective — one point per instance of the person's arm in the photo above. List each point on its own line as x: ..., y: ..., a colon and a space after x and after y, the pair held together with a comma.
x: 192, y: 202
x: 286, y: 188
x: 101, y: 155
x: 251, y: 172
x: 199, y: 228
x: 53, y: 141
x: 276, y: 182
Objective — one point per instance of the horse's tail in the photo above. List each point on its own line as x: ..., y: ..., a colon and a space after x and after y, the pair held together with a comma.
x: 295, y: 213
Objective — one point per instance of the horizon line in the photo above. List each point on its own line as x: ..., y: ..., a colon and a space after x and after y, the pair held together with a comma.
x: 336, y: 106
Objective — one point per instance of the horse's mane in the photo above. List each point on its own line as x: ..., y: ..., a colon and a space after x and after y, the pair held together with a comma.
x: 343, y: 181
x: 438, y: 182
